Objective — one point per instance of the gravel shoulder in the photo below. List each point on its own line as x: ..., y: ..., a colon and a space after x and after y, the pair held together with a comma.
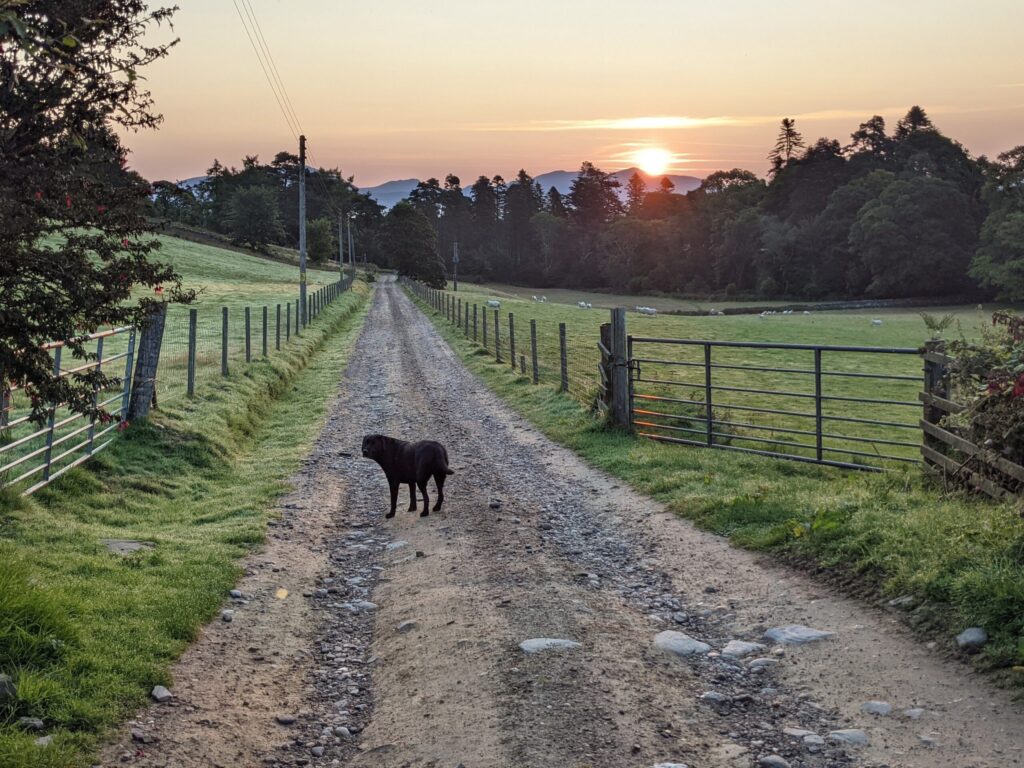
x: 399, y: 641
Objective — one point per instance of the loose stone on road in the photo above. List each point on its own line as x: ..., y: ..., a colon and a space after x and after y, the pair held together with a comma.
x: 544, y: 617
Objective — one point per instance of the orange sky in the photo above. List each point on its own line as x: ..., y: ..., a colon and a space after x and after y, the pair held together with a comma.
x: 398, y: 89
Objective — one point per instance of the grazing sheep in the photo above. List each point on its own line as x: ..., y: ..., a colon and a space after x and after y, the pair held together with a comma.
x: 876, y: 321
x: 493, y: 303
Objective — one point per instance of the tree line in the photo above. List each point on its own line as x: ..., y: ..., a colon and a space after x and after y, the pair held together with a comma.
x: 887, y: 214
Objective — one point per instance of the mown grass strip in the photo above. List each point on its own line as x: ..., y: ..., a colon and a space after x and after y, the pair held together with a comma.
x: 86, y: 633
x: 962, y: 556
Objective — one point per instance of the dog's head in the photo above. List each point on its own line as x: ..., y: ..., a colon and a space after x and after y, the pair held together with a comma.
x: 374, y: 445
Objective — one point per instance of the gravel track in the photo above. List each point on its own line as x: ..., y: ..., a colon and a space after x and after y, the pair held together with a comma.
x: 532, y: 543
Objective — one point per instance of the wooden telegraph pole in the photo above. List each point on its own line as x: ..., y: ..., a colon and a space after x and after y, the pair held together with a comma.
x: 302, y: 230
x: 455, y: 266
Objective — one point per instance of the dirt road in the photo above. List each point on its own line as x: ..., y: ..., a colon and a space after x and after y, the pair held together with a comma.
x: 398, y: 641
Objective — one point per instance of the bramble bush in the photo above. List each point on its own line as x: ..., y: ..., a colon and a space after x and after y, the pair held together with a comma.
x: 987, y: 375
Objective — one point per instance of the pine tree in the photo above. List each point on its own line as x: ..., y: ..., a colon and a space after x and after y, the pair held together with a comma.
x: 915, y: 120
x: 786, y: 145
x: 555, y: 205
x: 871, y: 137
x: 636, y: 190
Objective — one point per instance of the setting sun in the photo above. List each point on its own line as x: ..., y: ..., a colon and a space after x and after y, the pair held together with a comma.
x: 652, y: 160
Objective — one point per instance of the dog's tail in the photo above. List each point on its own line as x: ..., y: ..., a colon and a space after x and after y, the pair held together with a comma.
x: 449, y: 471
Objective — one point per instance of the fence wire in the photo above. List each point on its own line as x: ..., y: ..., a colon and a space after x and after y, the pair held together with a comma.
x: 509, y: 339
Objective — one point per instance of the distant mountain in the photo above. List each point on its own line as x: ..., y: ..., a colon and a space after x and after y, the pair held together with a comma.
x: 195, y: 181
x: 390, y: 192
x: 562, y: 180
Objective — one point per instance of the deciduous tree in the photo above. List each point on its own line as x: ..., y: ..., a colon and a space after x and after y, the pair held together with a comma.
x: 74, y: 244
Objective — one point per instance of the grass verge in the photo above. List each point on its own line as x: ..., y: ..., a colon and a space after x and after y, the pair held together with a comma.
x: 961, y: 557
x: 84, y: 633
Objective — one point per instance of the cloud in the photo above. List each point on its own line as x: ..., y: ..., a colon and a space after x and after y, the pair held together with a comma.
x: 683, y: 122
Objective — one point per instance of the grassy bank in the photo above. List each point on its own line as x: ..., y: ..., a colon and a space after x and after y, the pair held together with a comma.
x: 86, y: 633
x: 961, y: 557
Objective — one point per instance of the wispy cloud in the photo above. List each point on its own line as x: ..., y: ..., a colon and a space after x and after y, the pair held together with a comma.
x: 686, y: 122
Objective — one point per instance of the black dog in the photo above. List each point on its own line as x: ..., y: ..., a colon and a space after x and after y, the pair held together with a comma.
x: 412, y: 463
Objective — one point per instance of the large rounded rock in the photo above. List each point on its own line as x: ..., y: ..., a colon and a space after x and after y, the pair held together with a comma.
x: 972, y: 640
x: 880, y: 708
x: 795, y: 634
x: 539, y: 644
x: 680, y: 644
x: 738, y: 649
x: 852, y: 736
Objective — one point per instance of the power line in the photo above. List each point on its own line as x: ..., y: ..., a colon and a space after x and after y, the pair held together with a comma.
x: 266, y: 61
x: 247, y: 5
x: 294, y: 130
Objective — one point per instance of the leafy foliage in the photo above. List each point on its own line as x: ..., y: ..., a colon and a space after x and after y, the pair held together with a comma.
x: 73, y: 245
x: 409, y: 239
x: 253, y: 217
x: 988, y: 376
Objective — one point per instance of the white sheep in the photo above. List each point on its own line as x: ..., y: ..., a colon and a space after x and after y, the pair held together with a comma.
x: 876, y: 321
x: 493, y: 303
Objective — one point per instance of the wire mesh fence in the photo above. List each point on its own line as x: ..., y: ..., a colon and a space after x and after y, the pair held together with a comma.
x: 546, y: 352
x: 198, y: 347
x: 202, y: 345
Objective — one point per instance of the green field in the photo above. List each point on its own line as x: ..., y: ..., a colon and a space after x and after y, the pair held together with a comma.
x: 681, y: 375
x: 897, y: 532
x: 221, y: 278
x: 86, y: 633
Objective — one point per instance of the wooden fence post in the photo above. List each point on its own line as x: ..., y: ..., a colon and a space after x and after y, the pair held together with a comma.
x: 564, y: 355
x: 277, y: 328
x: 936, y: 383
x: 497, y: 337
x: 193, y: 317
x: 458, y: 317
x: 512, y: 339
x: 474, y: 323
x: 620, y: 370
x: 223, y: 341
x: 248, y: 340
x: 52, y: 420
x: 265, y: 316
x: 533, y: 350
x: 147, y: 362
x: 96, y: 397
x: 465, y: 327
x: 522, y: 364
x: 287, y: 321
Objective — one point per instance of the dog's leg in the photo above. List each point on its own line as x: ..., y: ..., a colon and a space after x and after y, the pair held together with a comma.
x: 394, y: 496
x: 426, y: 499
x: 439, y: 480
x: 412, y: 497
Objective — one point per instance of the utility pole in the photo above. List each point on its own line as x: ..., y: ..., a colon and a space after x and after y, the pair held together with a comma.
x: 351, y: 248
x: 341, y: 247
x: 455, y: 266
x: 302, y: 229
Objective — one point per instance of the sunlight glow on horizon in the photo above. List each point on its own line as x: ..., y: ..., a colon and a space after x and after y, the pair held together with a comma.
x: 386, y: 91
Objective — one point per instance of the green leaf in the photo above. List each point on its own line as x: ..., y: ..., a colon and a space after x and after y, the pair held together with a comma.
x: 68, y: 41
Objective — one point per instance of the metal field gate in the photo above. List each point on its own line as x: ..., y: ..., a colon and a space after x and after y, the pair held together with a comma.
x: 38, y: 455
x: 845, y: 406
